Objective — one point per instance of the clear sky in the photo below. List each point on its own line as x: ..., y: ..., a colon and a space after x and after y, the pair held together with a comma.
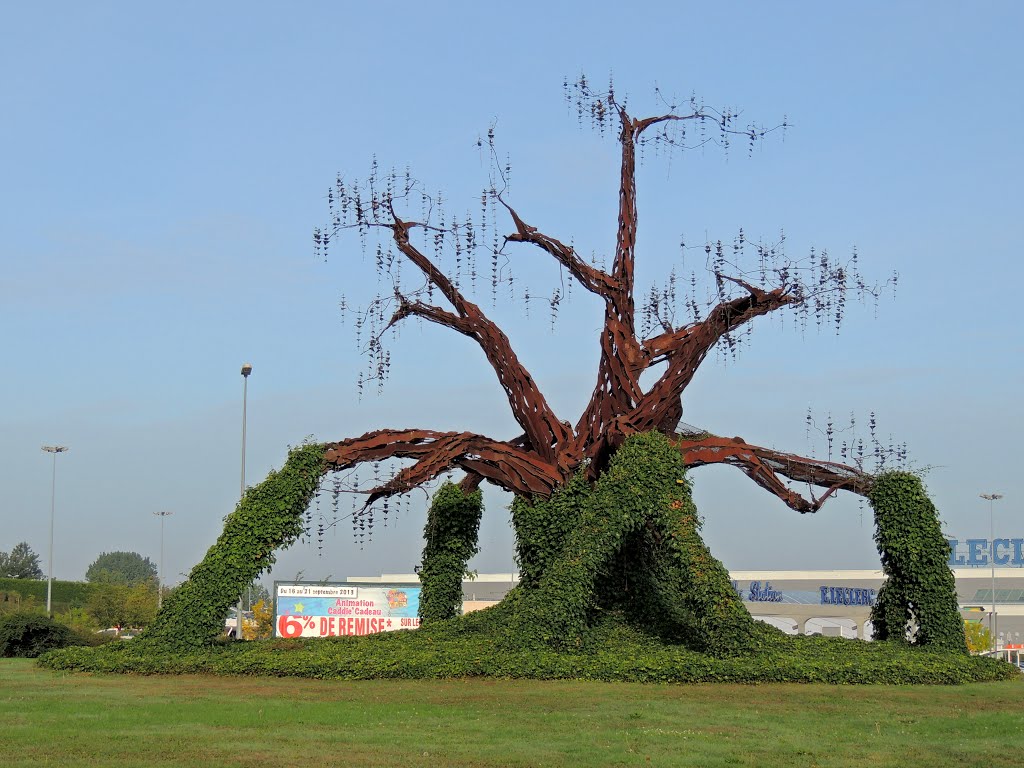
x: 162, y: 169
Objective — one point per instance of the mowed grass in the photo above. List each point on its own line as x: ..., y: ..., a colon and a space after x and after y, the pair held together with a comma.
x: 50, y: 718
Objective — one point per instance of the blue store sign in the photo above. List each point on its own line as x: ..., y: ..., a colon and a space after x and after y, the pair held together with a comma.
x: 847, y: 596
x: 1008, y: 553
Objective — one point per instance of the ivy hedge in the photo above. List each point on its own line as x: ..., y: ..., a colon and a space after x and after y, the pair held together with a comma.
x: 453, y: 523
x: 457, y: 648
x: 63, y: 595
x: 917, y: 604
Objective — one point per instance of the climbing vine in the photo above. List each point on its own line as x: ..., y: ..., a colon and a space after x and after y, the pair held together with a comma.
x: 917, y: 603
x: 631, y: 545
x: 269, y: 517
x: 451, y: 535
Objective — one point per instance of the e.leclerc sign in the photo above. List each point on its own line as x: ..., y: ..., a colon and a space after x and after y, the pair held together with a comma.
x: 766, y: 592
x: 974, y: 553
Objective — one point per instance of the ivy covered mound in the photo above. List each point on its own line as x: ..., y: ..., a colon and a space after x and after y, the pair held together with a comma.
x: 616, y: 584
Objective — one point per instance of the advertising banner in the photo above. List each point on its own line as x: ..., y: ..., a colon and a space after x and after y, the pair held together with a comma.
x: 306, y: 609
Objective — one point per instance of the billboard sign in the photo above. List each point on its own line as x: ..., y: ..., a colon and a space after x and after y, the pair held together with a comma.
x: 312, y: 609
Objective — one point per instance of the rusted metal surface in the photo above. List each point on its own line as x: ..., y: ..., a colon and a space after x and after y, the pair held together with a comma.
x: 550, y: 449
x: 767, y: 467
x: 435, y: 453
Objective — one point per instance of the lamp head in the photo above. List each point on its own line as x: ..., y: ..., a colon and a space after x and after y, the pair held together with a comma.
x: 246, y: 370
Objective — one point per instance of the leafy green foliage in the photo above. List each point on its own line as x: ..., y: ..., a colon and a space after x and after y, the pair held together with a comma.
x: 20, y: 563
x: 917, y: 603
x: 616, y: 585
x: 460, y: 648
x: 269, y: 517
x: 630, y: 543
x: 453, y: 522
x: 29, y: 634
x: 262, y: 624
x: 121, y: 568
x: 79, y: 620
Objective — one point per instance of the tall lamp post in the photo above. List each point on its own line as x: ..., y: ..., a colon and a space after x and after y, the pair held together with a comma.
x: 53, y: 450
x: 160, y: 574
x: 246, y: 370
x: 990, y: 498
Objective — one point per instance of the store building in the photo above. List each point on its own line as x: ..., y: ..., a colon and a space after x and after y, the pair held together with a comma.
x: 835, y: 602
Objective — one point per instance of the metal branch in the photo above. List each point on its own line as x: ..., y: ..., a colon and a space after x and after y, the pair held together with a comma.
x: 764, y: 466
x: 686, y: 348
x: 545, y: 432
x: 723, y: 318
x: 504, y: 464
x: 429, y: 312
x: 590, y: 277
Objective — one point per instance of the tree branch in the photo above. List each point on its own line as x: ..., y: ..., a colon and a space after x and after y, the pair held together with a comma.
x: 686, y: 348
x: 724, y: 317
x: 545, y: 432
x: 429, y: 312
x: 400, y: 232
x: 590, y: 277
x: 510, y: 467
x: 618, y: 386
x: 764, y: 466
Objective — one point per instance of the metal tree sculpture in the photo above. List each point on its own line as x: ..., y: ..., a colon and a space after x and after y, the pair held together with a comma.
x: 550, y: 450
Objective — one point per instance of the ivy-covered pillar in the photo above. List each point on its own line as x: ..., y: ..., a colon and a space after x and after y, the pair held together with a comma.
x: 269, y: 517
x: 453, y: 523
x: 917, y: 603
x: 629, y: 544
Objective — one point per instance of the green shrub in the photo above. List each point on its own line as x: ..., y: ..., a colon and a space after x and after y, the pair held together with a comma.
x: 26, y: 635
x: 617, y: 584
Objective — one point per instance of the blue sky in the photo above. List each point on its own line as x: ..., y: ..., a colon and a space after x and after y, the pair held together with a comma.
x: 163, y: 169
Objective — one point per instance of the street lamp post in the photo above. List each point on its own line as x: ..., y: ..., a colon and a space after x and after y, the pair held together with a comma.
x: 54, y: 450
x: 160, y: 574
x: 246, y: 370
x: 990, y: 498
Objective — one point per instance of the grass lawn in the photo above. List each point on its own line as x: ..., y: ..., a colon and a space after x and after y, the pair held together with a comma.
x: 51, y: 718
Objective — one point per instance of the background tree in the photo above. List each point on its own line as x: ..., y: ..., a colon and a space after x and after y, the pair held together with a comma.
x: 140, y: 604
x: 978, y: 636
x: 106, y: 604
x: 262, y: 624
x: 20, y: 563
x: 121, y: 568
